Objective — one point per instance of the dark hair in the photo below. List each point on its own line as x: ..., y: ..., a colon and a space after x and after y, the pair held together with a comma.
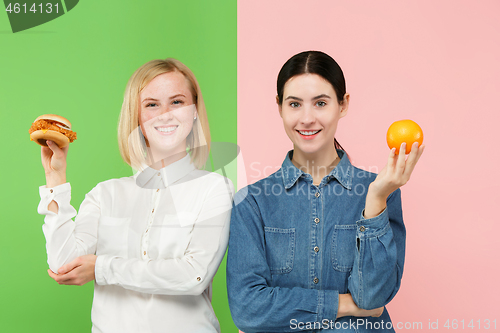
x: 313, y: 62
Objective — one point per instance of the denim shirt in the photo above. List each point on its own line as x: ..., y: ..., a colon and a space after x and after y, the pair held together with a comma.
x: 295, y: 246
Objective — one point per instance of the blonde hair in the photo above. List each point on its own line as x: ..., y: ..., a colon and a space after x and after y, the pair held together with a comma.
x: 130, y: 138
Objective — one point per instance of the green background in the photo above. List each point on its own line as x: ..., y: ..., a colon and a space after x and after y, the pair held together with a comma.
x: 77, y: 66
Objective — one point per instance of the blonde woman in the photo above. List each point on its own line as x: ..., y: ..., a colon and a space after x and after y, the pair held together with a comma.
x: 153, y: 241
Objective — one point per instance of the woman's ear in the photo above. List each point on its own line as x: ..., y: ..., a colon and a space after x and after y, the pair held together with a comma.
x: 279, y: 105
x: 344, y: 106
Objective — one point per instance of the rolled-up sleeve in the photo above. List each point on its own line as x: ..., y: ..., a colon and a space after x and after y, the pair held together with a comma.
x: 378, y: 265
x: 67, y: 239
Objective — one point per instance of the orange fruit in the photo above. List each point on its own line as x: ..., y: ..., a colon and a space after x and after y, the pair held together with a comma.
x: 404, y: 131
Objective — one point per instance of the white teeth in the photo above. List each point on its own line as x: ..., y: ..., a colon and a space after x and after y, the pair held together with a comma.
x: 166, y: 129
x: 308, y: 132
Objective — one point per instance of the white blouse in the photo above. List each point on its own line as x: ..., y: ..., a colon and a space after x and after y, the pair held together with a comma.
x: 159, y: 237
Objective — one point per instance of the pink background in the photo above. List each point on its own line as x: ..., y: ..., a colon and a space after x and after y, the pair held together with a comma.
x: 435, y: 62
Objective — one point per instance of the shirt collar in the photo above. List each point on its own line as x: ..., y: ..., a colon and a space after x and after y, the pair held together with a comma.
x: 152, y: 178
x: 343, y: 172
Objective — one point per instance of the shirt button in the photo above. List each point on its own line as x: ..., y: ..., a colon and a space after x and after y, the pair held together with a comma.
x: 198, y: 278
x: 51, y: 191
x: 317, y: 195
x: 153, y: 210
x: 158, y: 190
x: 316, y: 249
x: 362, y: 229
x: 158, y: 173
x: 144, y: 252
x: 316, y: 220
x: 316, y: 280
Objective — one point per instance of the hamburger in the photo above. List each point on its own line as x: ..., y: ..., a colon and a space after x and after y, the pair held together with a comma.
x: 52, y: 127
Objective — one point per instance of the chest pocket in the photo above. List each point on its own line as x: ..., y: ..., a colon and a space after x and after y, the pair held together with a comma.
x: 343, y: 247
x: 112, y: 237
x: 175, y: 234
x: 280, y: 246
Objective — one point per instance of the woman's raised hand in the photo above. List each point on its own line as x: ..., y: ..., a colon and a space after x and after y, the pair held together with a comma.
x: 395, y: 174
x: 398, y: 170
x: 54, y: 163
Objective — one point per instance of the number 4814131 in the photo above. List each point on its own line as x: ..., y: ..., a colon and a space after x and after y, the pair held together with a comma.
x: 18, y: 8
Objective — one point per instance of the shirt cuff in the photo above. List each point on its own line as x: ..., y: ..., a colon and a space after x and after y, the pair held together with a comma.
x: 60, y: 194
x: 328, y: 314
x: 374, y: 226
x: 100, y: 265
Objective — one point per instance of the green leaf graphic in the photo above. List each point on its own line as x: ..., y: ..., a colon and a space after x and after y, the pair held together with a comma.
x: 28, y: 14
x: 70, y: 4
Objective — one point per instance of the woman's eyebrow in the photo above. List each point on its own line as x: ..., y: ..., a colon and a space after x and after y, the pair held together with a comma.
x: 321, y: 96
x: 175, y: 96
x: 316, y: 97
x: 149, y: 99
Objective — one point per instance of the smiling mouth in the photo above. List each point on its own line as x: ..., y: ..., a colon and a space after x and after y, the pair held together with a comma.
x: 309, y: 132
x: 168, y: 129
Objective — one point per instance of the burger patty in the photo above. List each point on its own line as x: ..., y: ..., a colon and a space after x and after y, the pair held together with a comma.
x: 43, y: 124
